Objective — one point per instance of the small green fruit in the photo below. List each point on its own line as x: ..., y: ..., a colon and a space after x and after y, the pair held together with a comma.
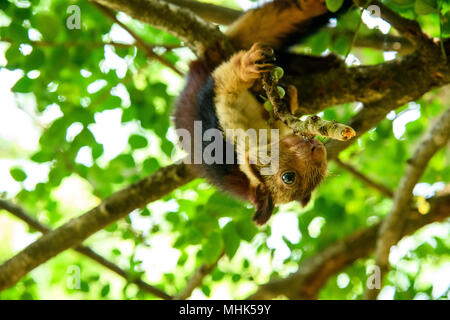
x: 268, y: 106
x: 277, y: 73
x: 281, y: 92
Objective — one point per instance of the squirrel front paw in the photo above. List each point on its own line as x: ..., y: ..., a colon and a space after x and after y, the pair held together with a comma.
x: 256, y: 61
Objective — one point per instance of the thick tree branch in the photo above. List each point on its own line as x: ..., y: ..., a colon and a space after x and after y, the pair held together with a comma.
x: 195, y: 32
x: 402, y: 80
x: 20, y: 213
x: 314, y: 272
x: 391, y: 229
x: 226, y: 16
x: 209, y: 12
x: 377, y: 186
x: 394, y: 82
x: 72, y: 233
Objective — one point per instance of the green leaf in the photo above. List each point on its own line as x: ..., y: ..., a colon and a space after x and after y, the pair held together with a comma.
x: 4, y: 5
x: 217, y: 274
x: 42, y: 156
x: 212, y: 247
x: 231, y: 239
x: 116, y: 252
x: 128, y: 114
x: 18, y: 32
x: 236, y: 278
x: 112, y: 102
x: 150, y: 165
x: 334, y: 5
x: 182, y: 259
x: 34, y: 60
x: 97, y: 150
x: 246, y: 229
x: 403, y: 2
x: 23, y: 85
x: 167, y: 147
x: 84, y: 286
x: 48, y: 25
x: 341, y: 45
x: 320, y: 42
x: 105, y: 290
x: 112, y: 227
x: 206, y: 290
x: 22, y: 13
x: 18, y: 174
x: 424, y: 7
x: 446, y: 24
x: 126, y: 159
x: 14, y: 57
x: 137, y: 141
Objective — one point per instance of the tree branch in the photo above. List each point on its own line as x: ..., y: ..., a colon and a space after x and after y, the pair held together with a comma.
x: 402, y: 80
x: 377, y: 186
x: 209, y: 12
x: 410, y: 29
x: 314, y: 272
x: 197, y: 279
x: 391, y: 229
x: 200, y: 36
x: 113, y: 208
x: 20, y: 213
x: 312, y: 125
x: 384, y: 42
x: 148, y: 49
x: 92, y: 44
x: 393, y: 82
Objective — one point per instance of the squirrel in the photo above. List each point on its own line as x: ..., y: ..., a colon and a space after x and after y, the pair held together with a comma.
x: 225, y: 99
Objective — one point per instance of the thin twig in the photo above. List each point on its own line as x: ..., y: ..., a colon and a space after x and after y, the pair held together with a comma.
x: 441, y: 37
x: 148, y: 49
x: 355, y: 34
x: 313, y: 125
x: 377, y: 186
x: 197, y: 279
x: 202, y: 37
x: 410, y: 29
x: 92, y: 44
x: 20, y: 213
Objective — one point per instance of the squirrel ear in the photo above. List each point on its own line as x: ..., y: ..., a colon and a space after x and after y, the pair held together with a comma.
x: 263, y: 202
x: 304, y: 201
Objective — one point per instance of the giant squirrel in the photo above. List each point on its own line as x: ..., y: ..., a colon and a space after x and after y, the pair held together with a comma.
x: 224, y: 98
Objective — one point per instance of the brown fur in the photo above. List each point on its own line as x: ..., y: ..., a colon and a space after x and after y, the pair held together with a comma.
x: 270, y: 23
x: 234, y: 106
x: 237, y: 108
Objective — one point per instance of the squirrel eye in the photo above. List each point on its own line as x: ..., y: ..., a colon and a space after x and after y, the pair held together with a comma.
x: 288, y: 177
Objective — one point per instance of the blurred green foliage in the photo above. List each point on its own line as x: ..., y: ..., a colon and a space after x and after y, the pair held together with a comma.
x: 67, y: 68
